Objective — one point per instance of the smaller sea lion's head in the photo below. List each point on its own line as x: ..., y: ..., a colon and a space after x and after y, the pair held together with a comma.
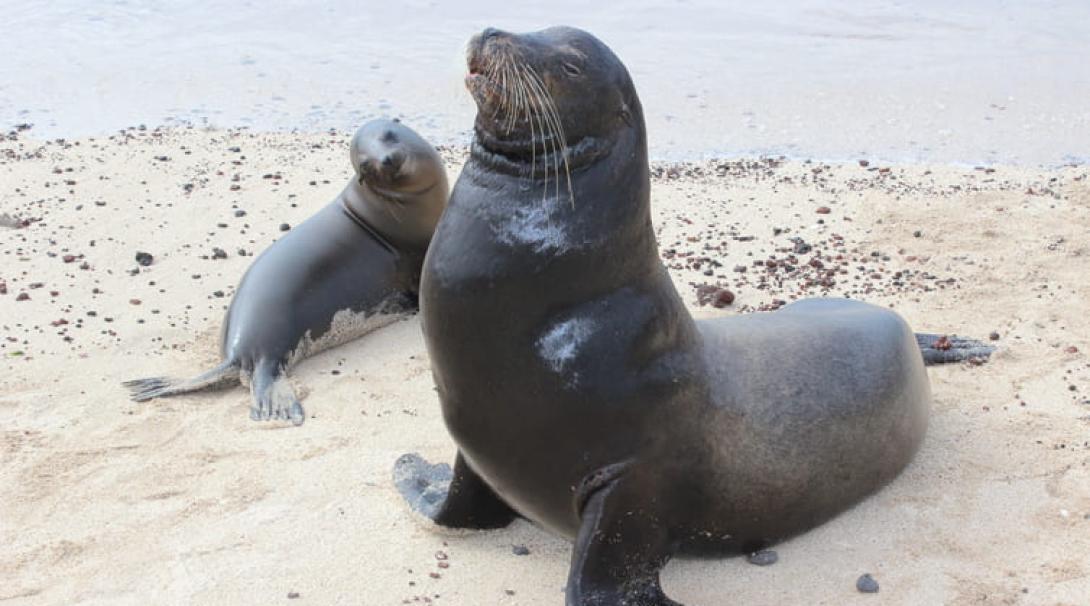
x: 400, y: 178
x: 390, y: 156
x: 549, y: 95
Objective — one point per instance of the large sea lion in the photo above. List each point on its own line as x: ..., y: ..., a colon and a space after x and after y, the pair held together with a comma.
x: 581, y: 393
x: 350, y: 268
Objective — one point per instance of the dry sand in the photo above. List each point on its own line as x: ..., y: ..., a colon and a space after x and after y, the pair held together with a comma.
x: 187, y: 501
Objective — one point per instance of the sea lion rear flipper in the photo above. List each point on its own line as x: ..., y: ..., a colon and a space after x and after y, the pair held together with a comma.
x: 272, y: 395
x: 944, y: 349
x: 456, y: 498
x: 618, y: 552
x: 157, y: 387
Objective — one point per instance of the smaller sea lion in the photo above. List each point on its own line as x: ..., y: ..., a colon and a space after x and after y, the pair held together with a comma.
x: 351, y: 268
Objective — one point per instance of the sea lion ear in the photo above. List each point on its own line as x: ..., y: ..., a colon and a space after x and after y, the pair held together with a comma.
x: 626, y: 114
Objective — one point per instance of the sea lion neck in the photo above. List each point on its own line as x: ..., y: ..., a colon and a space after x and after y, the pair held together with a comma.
x: 390, y: 216
x: 535, y: 157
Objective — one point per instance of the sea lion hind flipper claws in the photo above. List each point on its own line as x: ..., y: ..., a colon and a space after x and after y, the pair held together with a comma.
x: 455, y: 498
x: 617, y: 554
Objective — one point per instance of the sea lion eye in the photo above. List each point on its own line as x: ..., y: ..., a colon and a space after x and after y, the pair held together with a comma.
x: 571, y: 69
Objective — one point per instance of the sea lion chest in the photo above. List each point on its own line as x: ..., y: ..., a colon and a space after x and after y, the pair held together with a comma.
x: 537, y: 342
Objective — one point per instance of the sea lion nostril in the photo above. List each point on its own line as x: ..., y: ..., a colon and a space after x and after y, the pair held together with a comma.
x: 393, y: 161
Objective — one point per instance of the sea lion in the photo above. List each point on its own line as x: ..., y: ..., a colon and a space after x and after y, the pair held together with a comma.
x: 581, y: 393
x: 350, y: 268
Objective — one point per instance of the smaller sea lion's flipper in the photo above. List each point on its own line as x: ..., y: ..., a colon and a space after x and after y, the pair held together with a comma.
x: 273, y: 397
x: 455, y: 498
x: 945, y: 349
x: 618, y: 553
x: 157, y: 387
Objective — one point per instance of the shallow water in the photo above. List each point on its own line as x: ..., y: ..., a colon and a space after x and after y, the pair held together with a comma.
x: 973, y: 82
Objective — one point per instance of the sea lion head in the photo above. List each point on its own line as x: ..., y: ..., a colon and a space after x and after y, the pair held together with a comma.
x: 390, y: 156
x: 556, y: 93
x: 400, y: 185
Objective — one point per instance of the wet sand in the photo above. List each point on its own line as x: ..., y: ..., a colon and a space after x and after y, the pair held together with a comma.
x: 187, y: 501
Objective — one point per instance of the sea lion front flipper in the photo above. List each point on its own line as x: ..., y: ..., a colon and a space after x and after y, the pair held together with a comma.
x: 272, y: 395
x: 456, y: 498
x: 618, y: 553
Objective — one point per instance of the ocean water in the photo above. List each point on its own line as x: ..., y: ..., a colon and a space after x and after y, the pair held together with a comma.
x: 974, y: 81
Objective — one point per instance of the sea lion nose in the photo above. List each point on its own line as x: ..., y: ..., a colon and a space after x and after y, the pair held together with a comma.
x: 489, y: 32
x: 392, y: 162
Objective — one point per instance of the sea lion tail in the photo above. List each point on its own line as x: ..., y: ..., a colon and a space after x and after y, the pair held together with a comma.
x: 158, y: 387
x: 945, y: 349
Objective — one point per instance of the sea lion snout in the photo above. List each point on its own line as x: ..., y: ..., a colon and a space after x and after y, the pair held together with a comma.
x: 385, y: 169
x: 392, y: 162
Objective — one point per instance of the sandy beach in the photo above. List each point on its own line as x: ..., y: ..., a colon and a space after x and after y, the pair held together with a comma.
x: 188, y: 501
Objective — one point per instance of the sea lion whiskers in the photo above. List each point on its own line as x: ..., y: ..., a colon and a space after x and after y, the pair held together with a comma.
x: 529, y: 107
x: 557, y: 127
x: 544, y: 121
x: 512, y: 93
x: 548, y: 139
x: 524, y: 106
x: 494, y: 86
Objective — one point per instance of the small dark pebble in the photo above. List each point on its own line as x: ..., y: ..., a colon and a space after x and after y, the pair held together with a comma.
x: 22, y: 297
x: 866, y: 584
x: 718, y: 297
x: 218, y: 294
x: 242, y: 252
x: 219, y: 253
x: 144, y: 258
x: 994, y: 336
x: 284, y: 227
x: 240, y: 213
x: 765, y: 557
x: 293, y: 595
x: 68, y: 258
x: 520, y: 550
x: 917, y: 234
x: 823, y: 210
